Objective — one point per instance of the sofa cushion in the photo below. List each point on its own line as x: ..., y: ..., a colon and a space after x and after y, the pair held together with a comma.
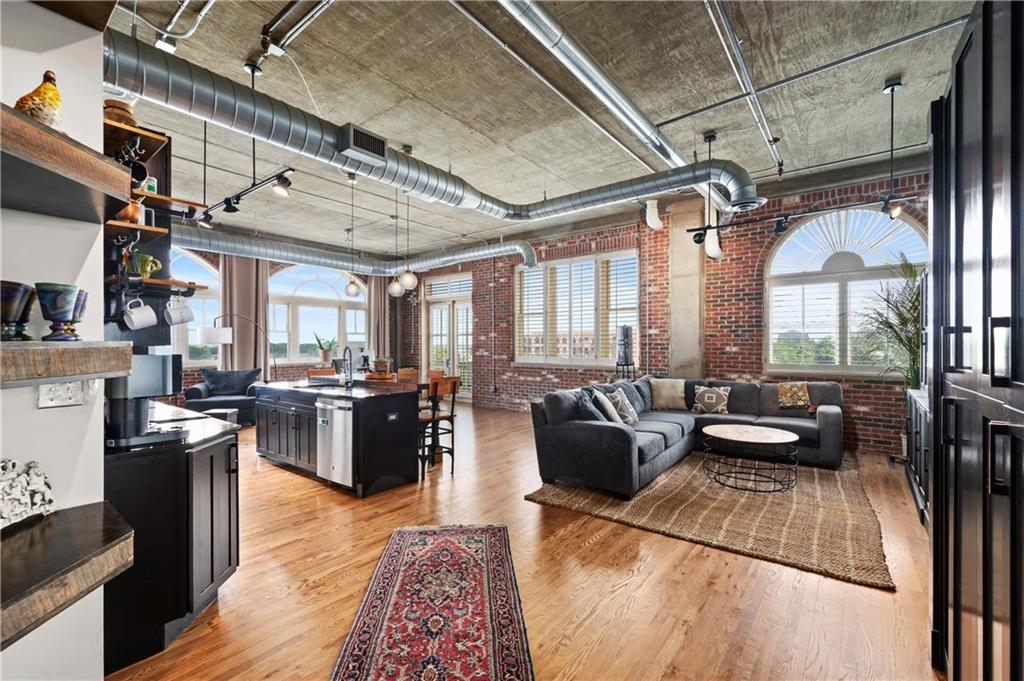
x: 708, y: 400
x: 744, y: 397
x: 631, y: 393
x: 732, y: 419
x: 230, y: 382
x: 602, y: 402
x: 671, y: 433
x: 561, y: 406
x: 222, y: 402
x: 668, y: 393
x: 623, y: 407
x: 684, y: 420
x: 648, y: 446
x: 588, y: 411
x: 821, y: 392
x: 805, y: 429
x: 643, y: 388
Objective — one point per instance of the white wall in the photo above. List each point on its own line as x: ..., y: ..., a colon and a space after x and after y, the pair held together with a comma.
x: 67, y: 442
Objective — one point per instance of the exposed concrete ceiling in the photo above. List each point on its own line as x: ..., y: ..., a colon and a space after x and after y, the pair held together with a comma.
x: 421, y: 73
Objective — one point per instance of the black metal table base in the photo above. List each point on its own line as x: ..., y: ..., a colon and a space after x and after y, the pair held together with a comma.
x: 749, y: 467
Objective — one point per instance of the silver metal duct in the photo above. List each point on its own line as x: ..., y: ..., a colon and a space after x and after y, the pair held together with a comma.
x: 177, y: 84
x: 216, y: 241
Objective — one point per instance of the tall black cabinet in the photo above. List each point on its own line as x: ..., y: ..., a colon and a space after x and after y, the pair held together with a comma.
x: 977, y: 385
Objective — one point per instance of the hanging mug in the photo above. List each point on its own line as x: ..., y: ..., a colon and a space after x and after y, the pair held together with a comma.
x: 138, y: 315
x: 145, y: 265
x: 178, y: 311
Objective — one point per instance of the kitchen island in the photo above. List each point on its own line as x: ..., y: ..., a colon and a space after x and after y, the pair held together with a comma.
x: 363, y: 438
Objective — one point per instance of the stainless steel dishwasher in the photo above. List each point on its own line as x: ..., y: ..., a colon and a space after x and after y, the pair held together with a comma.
x: 334, y: 441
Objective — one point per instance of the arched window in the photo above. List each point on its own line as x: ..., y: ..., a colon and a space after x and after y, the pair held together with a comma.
x: 205, y: 305
x: 307, y: 300
x: 820, y: 282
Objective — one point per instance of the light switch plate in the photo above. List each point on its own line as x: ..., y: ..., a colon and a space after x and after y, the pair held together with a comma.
x: 50, y: 395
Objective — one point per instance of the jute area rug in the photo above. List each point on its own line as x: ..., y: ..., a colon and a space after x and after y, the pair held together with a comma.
x: 825, y: 524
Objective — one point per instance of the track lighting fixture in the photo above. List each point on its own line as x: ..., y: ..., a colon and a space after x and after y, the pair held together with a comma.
x: 781, y: 225
x: 205, y: 221
x: 281, y: 186
x: 352, y: 178
x: 231, y: 204
x: 698, y: 237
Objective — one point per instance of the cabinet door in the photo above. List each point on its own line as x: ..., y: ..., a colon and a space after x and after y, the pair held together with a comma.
x: 306, y: 437
x: 214, y: 497
x: 262, y: 425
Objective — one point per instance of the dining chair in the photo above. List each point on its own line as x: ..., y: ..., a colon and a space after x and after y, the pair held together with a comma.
x: 408, y: 375
x: 435, y: 373
x: 437, y: 421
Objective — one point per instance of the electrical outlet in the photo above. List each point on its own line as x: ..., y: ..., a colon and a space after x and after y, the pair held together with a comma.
x: 50, y: 395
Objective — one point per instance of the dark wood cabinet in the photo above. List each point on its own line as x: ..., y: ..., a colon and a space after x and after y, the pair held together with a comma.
x: 977, y: 382
x: 919, y: 450
x: 213, y: 477
x: 287, y: 433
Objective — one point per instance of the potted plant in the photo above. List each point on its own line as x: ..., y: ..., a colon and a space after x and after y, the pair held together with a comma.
x: 895, y: 323
x: 381, y: 365
x: 327, y: 347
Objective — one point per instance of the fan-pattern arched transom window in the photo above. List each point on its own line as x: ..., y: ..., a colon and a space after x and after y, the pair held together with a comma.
x: 308, y: 301
x: 822, y: 280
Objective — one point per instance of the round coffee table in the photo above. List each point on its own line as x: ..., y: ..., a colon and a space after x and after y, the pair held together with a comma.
x: 750, y: 458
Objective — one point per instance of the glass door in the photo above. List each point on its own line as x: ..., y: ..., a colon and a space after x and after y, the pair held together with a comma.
x: 449, y: 326
x: 462, y: 349
x: 439, y: 335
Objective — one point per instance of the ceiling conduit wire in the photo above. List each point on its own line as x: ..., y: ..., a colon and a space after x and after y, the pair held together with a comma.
x: 163, y: 31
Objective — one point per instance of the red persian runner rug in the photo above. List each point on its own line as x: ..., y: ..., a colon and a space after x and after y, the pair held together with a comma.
x: 443, y: 605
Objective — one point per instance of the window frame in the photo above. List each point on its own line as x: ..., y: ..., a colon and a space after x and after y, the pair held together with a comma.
x: 842, y: 367
x: 600, y: 312
x: 294, y: 302
x: 179, y: 332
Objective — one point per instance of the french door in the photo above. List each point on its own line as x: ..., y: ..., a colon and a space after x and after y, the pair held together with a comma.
x: 450, y: 340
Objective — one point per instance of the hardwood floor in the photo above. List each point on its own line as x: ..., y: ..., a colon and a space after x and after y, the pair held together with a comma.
x: 601, y: 600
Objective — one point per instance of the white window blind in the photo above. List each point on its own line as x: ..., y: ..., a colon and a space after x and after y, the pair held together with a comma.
x: 567, y: 310
x: 450, y: 287
x: 805, y: 324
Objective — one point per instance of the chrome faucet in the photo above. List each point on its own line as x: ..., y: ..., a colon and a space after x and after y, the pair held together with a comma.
x: 346, y: 362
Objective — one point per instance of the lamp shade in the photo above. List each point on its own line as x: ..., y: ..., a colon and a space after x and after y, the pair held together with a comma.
x: 217, y: 335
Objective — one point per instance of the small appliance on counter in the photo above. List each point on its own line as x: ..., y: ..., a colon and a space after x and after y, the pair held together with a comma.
x: 127, y: 422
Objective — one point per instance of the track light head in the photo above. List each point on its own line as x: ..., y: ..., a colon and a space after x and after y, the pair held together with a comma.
x: 282, y: 185
x: 231, y: 204
x: 698, y: 237
x: 781, y: 225
x: 891, y: 208
x: 205, y: 221
x: 352, y: 178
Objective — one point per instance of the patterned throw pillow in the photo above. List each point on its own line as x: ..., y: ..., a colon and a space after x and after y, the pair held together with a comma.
x: 711, y: 400
x: 624, y: 407
x: 602, y: 402
x: 794, y: 394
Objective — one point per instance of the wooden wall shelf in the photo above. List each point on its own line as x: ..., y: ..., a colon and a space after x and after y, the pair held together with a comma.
x: 25, y: 363
x: 116, y: 134
x: 114, y: 228
x: 164, y: 283
x: 48, y: 563
x: 44, y: 171
x: 167, y: 202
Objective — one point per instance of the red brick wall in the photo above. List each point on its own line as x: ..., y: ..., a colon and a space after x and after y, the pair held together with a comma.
x: 734, y: 312
x: 498, y: 380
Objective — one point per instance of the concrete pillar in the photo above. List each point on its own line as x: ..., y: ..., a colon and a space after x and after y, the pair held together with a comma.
x: 686, y: 295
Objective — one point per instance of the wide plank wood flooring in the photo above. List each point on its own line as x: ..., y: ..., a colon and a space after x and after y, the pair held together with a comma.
x: 601, y: 600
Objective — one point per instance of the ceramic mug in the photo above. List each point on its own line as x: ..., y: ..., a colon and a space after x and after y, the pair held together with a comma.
x: 178, y: 311
x: 140, y: 316
x: 146, y: 265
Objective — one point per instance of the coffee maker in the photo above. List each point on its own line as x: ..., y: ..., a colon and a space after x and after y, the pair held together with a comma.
x: 128, y: 401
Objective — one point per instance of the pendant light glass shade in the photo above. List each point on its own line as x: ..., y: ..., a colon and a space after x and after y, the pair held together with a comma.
x: 409, y: 280
x: 395, y: 288
x: 352, y: 289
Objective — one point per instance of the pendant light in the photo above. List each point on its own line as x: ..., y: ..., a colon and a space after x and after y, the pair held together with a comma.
x: 395, y: 288
x: 408, y: 278
x: 352, y: 289
x: 889, y: 205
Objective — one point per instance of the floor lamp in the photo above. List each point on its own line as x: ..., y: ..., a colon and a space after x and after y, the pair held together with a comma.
x: 225, y: 335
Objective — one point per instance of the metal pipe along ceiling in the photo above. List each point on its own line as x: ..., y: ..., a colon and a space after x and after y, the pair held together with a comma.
x: 280, y: 251
x: 177, y: 84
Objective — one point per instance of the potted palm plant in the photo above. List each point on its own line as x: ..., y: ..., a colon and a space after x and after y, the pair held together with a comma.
x: 895, y: 323
x: 327, y: 347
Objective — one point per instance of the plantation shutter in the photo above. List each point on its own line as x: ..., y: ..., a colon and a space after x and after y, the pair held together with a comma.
x: 530, y: 313
x: 620, y: 293
x: 558, y: 316
x: 805, y: 324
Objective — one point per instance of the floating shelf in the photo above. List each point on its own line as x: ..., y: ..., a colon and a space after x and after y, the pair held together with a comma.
x: 164, y: 283
x: 114, y: 228
x: 48, y: 563
x: 36, y: 362
x: 167, y: 202
x: 45, y: 171
x: 116, y: 134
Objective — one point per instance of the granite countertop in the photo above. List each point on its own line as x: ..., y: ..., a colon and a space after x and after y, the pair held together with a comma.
x: 361, y: 390
x: 199, y: 427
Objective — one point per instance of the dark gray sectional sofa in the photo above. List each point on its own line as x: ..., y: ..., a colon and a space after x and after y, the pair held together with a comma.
x: 622, y: 459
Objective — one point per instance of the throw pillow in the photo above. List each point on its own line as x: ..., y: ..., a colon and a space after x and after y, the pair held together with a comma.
x: 623, y: 407
x: 588, y: 411
x: 602, y: 402
x: 632, y: 394
x: 668, y: 393
x: 794, y: 394
x: 711, y: 400
x: 643, y: 387
x: 230, y: 382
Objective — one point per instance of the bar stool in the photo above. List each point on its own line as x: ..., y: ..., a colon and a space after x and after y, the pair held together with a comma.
x: 438, y: 420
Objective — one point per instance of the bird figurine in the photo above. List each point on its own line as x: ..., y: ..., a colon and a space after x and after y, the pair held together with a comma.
x: 43, y: 103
